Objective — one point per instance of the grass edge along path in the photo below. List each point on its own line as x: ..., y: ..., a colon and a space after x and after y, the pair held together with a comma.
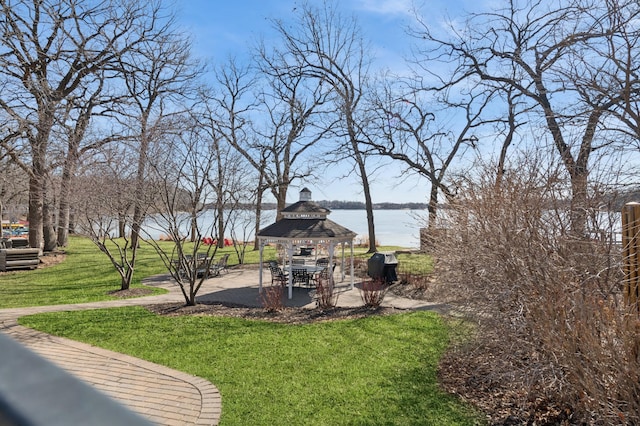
x: 379, y: 370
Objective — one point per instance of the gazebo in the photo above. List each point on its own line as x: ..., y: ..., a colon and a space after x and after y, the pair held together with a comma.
x: 305, y: 224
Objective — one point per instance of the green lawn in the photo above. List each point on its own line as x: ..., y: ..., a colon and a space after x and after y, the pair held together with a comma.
x: 372, y: 371
x: 86, y: 276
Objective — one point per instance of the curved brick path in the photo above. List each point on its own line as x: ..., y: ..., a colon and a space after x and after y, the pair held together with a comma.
x: 162, y: 395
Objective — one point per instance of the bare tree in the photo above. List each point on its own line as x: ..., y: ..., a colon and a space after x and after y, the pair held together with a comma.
x: 411, y: 126
x: 222, y: 130
x: 182, y: 170
x: 78, y: 140
x: 537, y: 50
x: 616, y: 75
x: 47, y: 50
x: 13, y: 190
x: 104, y: 208
x: 298, y: 110
x: 157, y: 75
x: 326, y: 47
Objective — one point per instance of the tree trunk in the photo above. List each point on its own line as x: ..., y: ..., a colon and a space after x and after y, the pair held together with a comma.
x: 49, y: 232
x: 127, y: 277
x: 194, y: 226
x: 64, y: 220
x: 508, y: 140
x: 64, y: 208
x: 72, y: 223
x: 48, y: 229
x: 256, y: 243
x: 281, y: 201
x: 35, y: 211
x: 38, y: 177
x: 369, y: 206
x: 432, y: 208
x: 359, y: 159
x: 122, y: 226
x: 221, y: 229
x: 138, y: 209
x: 367, y: 199
x: 579, y: 204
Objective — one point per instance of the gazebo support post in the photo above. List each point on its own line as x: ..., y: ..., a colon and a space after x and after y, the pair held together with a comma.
x: 342, y: 262
x: 261, y: 245
x: 351, y: 272
x: 289, y: 255
x: 331, y: 249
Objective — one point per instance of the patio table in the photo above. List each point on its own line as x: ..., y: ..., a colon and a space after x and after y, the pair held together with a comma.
x: 309, y: 269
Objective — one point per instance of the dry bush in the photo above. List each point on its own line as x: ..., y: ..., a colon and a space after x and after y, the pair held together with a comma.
x: 326, y: 296
x: 372, y: 292
x: 548, y: 305
x: 417, y: 281
x: 272, y: 298
x: 360, y: 267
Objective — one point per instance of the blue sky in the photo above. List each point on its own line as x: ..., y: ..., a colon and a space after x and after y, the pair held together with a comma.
x: 221, y: 28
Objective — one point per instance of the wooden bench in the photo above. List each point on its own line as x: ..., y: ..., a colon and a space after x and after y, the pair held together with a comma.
x: 19, y: 258
x: 19, y: 243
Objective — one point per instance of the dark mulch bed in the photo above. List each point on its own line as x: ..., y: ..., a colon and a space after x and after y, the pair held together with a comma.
x: 409, y: 291
x: 285, y: 316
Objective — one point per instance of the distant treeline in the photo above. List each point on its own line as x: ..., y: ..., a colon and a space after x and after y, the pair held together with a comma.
x: 358, y: 205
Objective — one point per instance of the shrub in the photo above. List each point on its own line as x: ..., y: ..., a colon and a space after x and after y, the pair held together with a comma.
x: 417, y: 281
x: 272, y: 298
x: 326, y: 296
x: 547, y: 303
x: 372, y: 293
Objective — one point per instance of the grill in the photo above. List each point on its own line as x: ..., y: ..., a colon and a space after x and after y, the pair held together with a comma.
x: 382, y: 266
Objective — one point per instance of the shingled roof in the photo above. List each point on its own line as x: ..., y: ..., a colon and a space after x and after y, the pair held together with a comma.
x: 306, y: 220
x: 306, y: 229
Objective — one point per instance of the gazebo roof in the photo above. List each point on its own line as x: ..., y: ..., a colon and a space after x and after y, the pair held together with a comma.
x: 306, y: 220
x: 306, y: 229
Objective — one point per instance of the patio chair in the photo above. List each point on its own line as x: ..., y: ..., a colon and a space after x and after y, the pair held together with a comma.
x: 220, y: 266
x: 324, y: 275
x: 301, y: 276
x: 277, y: 275
x: 323, y: 261
x: 201, y: 264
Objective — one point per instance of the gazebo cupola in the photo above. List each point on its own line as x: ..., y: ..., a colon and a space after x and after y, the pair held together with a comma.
x: 305, y: 194
x: 305, y: 208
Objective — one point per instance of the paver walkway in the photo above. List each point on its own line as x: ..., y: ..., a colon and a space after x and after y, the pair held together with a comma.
x: 163, y: 395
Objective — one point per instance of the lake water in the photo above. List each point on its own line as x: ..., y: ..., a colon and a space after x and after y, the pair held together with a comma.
x: 393, y: 227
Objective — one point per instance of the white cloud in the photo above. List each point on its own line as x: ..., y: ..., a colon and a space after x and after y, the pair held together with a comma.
x: 386, y: 7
